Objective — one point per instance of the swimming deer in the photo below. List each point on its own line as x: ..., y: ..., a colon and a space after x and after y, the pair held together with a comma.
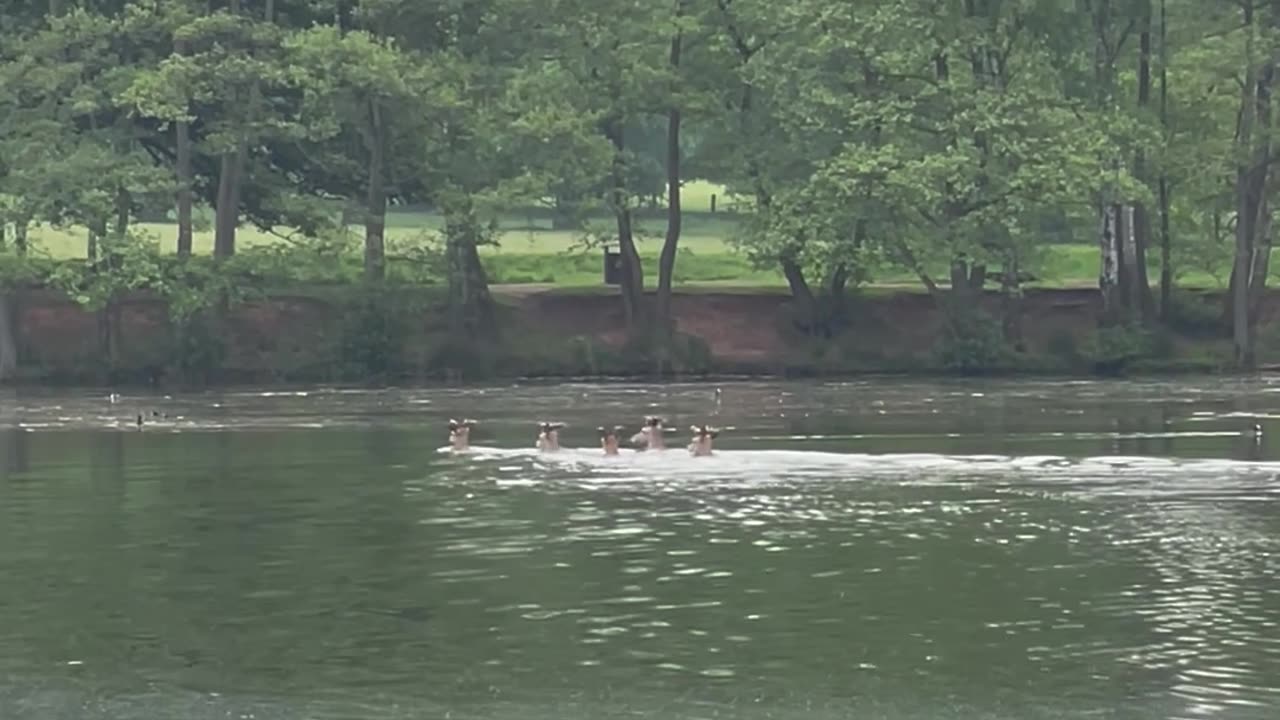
x: 609, y: 439
x: 702, y: 437
x: 549, y: 436
x: 650, y: 435
x: 460, y: 434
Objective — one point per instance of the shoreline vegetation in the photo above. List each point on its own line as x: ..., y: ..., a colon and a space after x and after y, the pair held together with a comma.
x: 309, y: 334
x: 379, y: 191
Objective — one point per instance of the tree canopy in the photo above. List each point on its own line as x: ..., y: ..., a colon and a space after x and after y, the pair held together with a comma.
x: 955, y: 139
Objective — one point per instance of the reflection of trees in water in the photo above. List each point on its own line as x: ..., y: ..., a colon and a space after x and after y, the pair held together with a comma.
x: 14, y: 457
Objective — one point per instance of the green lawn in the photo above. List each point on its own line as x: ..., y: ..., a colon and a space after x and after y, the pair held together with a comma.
x: 531, y: 252
x: 702, y: 233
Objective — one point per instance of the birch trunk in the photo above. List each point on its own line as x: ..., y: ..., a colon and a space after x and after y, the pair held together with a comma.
x: 1109, y: 276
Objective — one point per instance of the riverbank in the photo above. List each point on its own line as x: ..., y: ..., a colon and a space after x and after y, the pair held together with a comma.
x: 341, y: 334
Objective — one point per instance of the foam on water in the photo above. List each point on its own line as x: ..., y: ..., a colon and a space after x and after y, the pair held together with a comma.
x: 1095, y: 476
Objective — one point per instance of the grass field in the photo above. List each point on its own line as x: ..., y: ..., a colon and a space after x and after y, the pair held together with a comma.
x: 529, y: 251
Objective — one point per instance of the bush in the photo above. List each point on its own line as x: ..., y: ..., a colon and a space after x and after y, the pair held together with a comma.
x: 691, y: 354
x: 971, y: 342
x: 1268, y: 342
x: 464, y: 358
x: 198, y: 351
x: 1189, y: 313
x: 1113, y: 349
x: 1063, y: 345
x: 373, y: 336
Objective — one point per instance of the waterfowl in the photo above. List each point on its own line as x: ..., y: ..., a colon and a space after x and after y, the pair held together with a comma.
x: 549, y: 436
x: 700, y: 446
x: 609, y: 439
x: 460, y: 433
x: 650, y: 435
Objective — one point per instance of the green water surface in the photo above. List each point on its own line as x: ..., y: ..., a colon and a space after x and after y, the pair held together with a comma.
x: 877, y: 549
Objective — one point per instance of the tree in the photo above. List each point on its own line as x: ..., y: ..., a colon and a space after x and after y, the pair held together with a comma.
x: 362, y: 91
x: 930, y: 138
x: 1254, y: 176
x: 608, y: 61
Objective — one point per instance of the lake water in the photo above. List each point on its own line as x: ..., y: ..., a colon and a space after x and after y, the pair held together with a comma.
x: 874, y: 549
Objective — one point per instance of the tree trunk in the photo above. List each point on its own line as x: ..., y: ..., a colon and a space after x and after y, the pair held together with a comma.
x: 1260, y: 263
x: 124, y: 206
x: 977, y: 278
x: 1109, y: 275
x: 185, y: 225
x: 375, y: 219
x: 183, y: 171
x: 227, y: 213
x: 1011, y: 303
x: 801, y: 294
x: 231, y: 173
x: 96, y: 237
x: 1166, y: 250
x: 667, y: 260
x: 1129, y: 270
x: 1252, y: 182
x: 837, y: 281
x: 1241, y: 272
x: 108, y: 336
x: 632, y: 272
x: 20, y: 227
x: 8, y: 343
x: 471, y: 309
x: 1140, y: 291
x: 1110, y: 278
x: 967, y: 283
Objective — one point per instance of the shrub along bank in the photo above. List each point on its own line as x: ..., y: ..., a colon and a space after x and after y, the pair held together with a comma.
x: 402, y: 333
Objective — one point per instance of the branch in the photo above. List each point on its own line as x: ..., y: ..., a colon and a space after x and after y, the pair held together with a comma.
x: 912, y: 262
x: 745, y: 50
x: 1120, y: 41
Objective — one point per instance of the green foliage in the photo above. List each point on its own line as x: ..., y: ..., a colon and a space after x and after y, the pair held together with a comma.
x: 1064, y: 346
x: 199, y: 349
x: 374, y: 327
x: 1188, y: 312
x: 128, y: 263
x: 1112, y: 350
x: 862, y: 141
x: 1269, y: 343
x: 971, y: 342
